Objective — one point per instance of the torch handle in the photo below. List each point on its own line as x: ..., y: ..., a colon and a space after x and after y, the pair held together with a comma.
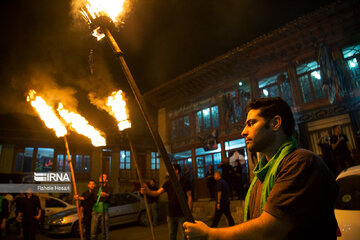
x: 74, y: 186
x: 151, y: 125
x: 141, y: 180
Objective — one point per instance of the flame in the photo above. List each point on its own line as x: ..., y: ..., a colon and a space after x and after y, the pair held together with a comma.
x: 81, y: 125
x: 110, y: 8
x: 117, y: 105
x: 46, y: 113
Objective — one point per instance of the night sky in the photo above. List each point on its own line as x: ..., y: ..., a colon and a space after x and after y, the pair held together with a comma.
x: 44, y: 47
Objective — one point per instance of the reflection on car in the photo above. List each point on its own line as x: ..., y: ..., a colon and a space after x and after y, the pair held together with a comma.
x: 123, y: 208
x: 347, y: 207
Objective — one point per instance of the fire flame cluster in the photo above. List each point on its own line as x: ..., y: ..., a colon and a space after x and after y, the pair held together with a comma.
x: 118, y: 109
x: 93, y: 9
x: 47, y: 114
x: 116, y: 105
x: 110, y: 8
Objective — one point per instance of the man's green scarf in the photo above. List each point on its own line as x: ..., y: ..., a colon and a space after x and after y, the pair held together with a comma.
x: 266, y: 172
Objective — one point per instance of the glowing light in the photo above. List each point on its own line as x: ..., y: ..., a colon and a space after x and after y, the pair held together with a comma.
x: 352, y: 63
x: 46, y: 113
x: 316, y: 74
x: 206, y: 111
x: 117, y: 108
x: 79, y: 124
x: 240, y: 84
x: 110, y: 8
x: 265, y: 92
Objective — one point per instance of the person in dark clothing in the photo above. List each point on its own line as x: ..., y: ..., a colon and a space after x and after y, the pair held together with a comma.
x: 327, y: 151
x: 88, y: 199
x: 293, y: 193
x: 210, y: 181
x: 176, y: 216
x: 153, y: 201
x: 18, y: 202
x: 342, y: 153
x: 227, y: 173
x: 100, y: 211
x: 237, y: 179
x: 222, y: 201
x: 29, y: 214
x: 4, y: 213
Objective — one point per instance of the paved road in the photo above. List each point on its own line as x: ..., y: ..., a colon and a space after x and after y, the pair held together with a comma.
x: 122, y: 232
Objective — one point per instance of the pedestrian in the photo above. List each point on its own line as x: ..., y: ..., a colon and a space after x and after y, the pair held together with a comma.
x: 18, y: 203
x: 42, y: 197
x: 153, y: 201
x: 4, y: 213
x: 293, y: 193
x: 327, y: 151
x: 237, y: 179
x: 175, y: 217
x: 210, y: 181
x: 222, y: 205
x: 88, y: 199
x: 29, y: 215
x: 100, y: 211
x: 342, y: 153
x: 227, y: 173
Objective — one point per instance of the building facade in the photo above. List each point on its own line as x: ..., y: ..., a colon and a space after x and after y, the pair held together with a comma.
x: 312, y: 63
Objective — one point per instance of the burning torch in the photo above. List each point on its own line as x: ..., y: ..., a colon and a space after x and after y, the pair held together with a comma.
x: 74, y: 121
x: 116, y: 107
x: 50, y: 119
x: 101, y: 15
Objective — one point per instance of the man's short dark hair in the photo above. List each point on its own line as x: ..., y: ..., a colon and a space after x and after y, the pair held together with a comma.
x: 91, y: 180
x: 177, y: 167
x: 270, y: 107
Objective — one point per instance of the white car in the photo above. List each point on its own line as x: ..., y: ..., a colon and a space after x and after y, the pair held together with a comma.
x: 347, y: 207
x: 124, y: 208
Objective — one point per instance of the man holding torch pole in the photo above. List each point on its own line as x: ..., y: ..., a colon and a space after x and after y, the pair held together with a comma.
x: 101, y: 208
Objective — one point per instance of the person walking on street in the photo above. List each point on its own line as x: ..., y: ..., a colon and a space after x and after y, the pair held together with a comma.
x: 88, y: 199
x: 222, y: 201
x: 342, y: 153
x: 176, y: 216
x: 153, y: 201
x: 238, y: 182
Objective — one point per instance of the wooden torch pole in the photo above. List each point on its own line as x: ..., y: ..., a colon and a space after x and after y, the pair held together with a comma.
x: 141, y: 183
x: 74, y: 186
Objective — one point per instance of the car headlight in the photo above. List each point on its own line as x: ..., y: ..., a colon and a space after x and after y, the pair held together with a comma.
x: 58, y: 221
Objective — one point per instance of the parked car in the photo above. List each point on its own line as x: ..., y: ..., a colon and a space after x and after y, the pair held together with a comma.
x: 347, y: 207
x: 123, y: 208
x: 52, y: 205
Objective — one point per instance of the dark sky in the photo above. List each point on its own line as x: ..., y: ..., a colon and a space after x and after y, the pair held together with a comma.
x: 44, y: 47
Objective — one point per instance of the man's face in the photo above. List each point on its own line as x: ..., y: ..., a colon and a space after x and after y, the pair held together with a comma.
x: 217, y: 176
x: 91, y: 185
x: 257, y: 132
x: 103, y: 178
x: 337, y: 130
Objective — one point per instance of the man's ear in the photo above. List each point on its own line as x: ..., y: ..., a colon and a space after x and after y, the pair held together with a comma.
x: 276, y: 123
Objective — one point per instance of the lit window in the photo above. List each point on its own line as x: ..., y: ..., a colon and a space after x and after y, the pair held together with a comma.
x: 206, y: 158
x: 125, y: 159
x: 155, y: 161
x: 276, y: 86
x: 310, y: 81
x: 44, y: 160
x: 207, y: 119
x: 24, y: 160
x: 352, y: 57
